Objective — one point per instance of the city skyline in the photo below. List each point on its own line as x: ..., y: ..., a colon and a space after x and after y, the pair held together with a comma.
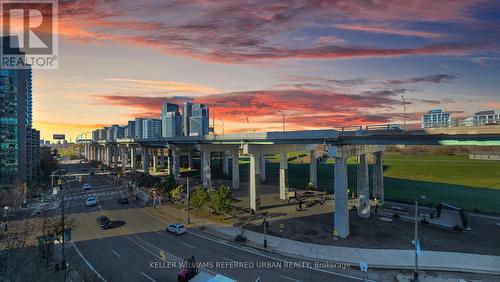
x: 325, y: 64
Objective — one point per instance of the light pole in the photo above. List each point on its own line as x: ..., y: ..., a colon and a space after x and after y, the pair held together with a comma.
x: 222, y: 125
x: 187, y: 200
x: 283, y: 114
x: 416, y: 242
x: 404, y: 111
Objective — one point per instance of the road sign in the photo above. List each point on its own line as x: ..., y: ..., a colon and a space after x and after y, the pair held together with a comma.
x: 58, y: 136
x: 59, y: 182
x: 418, y: 248
x: 363, y: 266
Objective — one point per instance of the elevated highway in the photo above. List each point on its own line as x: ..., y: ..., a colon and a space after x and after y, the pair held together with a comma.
x: 340, y: 144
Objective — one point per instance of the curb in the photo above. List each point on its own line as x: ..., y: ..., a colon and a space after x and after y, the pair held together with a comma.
x: 255, y: 245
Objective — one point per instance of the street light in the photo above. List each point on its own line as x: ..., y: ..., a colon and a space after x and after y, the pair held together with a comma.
x: 416, y: 242
x: 283, y: 114
x: 222, y: 125
x: 404, y: 111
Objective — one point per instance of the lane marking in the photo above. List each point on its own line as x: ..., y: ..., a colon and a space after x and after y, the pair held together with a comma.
x: 188, y: 245
x: 279, y: 259
x: 254, y: 251
x: 286, y: 277
x: 88, y: 263
x: 145, y: 275
x: 116, y: 253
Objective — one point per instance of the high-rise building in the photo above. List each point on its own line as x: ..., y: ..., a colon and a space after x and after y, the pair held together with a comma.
x: 171, y: 121
x: 187, y: 111
x: 151, y: 128
x: 95, y: 135
x: 487, y: 117
x: 199, y: 121
x: 436, y: 118
x: 130, y: 129
x: 19, y: 160
x: 101, y: 134
x: 139, y: 128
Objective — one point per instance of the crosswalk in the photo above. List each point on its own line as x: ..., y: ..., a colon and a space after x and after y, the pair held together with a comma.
x: 97, y: 194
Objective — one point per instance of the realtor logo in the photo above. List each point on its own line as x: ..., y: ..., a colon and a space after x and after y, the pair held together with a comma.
x: 29, y: 34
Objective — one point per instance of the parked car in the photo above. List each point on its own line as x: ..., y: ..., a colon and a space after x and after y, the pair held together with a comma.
x: 103, y: 222
x: 91, y: 201
x: 92, y: 173
x: 176, y: 228
x: 86, y: 186
x: 123, y: 200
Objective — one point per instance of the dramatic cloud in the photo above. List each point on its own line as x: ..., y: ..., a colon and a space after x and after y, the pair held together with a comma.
x: 389, y: 30
x: 335, y: 109
x: 245, y: 31
x: 433, y: 78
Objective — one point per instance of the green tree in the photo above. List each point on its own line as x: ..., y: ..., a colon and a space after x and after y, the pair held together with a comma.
x: 198, y: 198
x: 176, y: 194
x: 222, y: 202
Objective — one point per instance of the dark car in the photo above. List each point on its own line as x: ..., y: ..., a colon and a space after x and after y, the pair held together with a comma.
x: 103, y: 222
x: 91, y: 173
x: 123, y: 200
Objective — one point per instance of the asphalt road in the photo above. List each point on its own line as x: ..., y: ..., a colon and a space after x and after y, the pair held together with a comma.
x: 137, y: 247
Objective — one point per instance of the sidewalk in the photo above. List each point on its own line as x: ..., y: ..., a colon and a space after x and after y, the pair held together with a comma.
x: 376, y: 258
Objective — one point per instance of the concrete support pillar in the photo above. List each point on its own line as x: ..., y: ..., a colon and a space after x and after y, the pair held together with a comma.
x: 94, y: 151
x: 254, y: 180
x: 161, y: 156
x: 145, y: 160
x: 85, y: 151
x: 341, y: 215
x: 313, y: 170
x: 363, y: 188
x: 133, y: 159
x: 235, y: 169
x: 115, y: 156
x: 283, y: 175
x: 262, y: 168
x: 225, y: 164
x: 170, y: 161
x: 123, y: 152
x: 99, y: 154
x: 176, y: 164
x: 378, y: 175
x: 109, y: 155
x: 155, y: 160
x: 206, y: 178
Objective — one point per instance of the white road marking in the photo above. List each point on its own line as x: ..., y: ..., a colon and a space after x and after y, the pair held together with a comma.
x: 286, y: 277
x: 278, y: 259
x: 145, y: 275
x: 228, y: 259
x: 188, y: 245
x: 116, y: 253
x: 88, y: 263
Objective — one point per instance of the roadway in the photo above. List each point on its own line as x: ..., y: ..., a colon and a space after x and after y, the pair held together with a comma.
x: 137, y: 247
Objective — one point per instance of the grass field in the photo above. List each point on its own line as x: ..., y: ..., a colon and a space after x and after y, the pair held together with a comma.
x: 470, y: 184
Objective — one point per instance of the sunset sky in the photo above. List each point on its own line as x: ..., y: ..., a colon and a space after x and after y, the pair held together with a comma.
x: 323, y: 63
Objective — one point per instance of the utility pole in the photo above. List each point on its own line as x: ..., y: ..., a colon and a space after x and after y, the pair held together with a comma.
x: 63, y: 264
x: 222, y: 126
x: 265, y: 233
x: 283, y: 114
x: 417, y: 243
x: 415, y: 272
x: 404, y: 111
x: 187, y: 200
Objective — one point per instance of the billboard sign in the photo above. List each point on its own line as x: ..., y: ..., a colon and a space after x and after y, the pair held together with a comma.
x: 58, y: 136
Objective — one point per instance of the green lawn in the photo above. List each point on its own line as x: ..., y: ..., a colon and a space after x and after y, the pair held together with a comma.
x: 470, y: 184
